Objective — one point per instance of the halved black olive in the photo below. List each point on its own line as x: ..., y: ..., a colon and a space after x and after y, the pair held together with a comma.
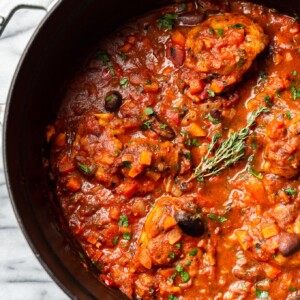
x: 113, y: 101
x: 190, y: 224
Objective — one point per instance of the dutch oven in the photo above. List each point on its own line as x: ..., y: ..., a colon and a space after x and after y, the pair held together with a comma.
x: 56, y: 50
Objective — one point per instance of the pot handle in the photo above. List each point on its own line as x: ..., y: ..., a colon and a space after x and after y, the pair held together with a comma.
x: 7, y: 9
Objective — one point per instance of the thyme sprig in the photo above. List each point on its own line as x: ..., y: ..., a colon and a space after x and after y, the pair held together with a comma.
x: 229, y: 152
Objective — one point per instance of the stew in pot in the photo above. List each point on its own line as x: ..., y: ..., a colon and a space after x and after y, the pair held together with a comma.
x: 176, y: 154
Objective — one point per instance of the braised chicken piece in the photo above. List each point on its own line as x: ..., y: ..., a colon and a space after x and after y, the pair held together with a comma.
x: 282, y: 152
x: 224, y: 47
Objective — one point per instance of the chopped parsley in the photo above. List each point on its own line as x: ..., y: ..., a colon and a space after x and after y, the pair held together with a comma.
x: 127, y: 164
x: 295, y: 92
x: 123, y: 221
x: 214, y: 217
x: 172, y: 255
x: 111, y: 70
x: 103, y: 57
x: 255, y: 174
x: 291, y: 191
x: 115, y: 241
x: 238, y: 25
x: 178, y: 245
x: 163, y: 126
x: 288, y: 115
x: 124, y: 82
x: 277, y: 92
x: 185, y: 276
x: 220, y: 32
x: 167, y: 21
x: 123, y: 55
x: 240, y: 62
x: 195, y: 143
x: 211, y: 93
x: 211, y: 31
x: 188, y: 263
x: 295, y: 73
x: 263, y: 76
x: 146, y: 125
x: 179, y: 268
x: 126, y: 236
x: 85, y: 170
x: 149, y: 111
x: 172, y: 297
x: 267, y: 99
x: 261, y: 294
x: 193, y: 252
x: 292, y: 289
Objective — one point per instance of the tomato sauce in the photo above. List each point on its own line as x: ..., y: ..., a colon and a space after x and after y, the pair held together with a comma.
x: 176, y: 154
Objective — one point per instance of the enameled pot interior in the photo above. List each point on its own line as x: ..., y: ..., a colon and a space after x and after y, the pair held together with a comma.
x: 54, y: 53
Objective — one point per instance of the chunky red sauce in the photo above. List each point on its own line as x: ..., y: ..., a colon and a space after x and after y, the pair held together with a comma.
x: 176, y: 154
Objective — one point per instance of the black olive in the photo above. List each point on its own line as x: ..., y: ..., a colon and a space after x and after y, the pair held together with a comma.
x: 190, y: 224
x: 216, y: 114
x: 113, y: 101
x: 190, y: 19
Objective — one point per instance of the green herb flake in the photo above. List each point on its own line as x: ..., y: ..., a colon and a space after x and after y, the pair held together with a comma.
x: 127, y: 164
x: 295, y: 73
x: 188, y: 155
x: 211, y: 93
x: 117, y: 152
x: 83, y: 168
x: 211, y: 31
x: 222, y: 219
x: 193, y: 252
x: 296, y: 17
x: 179, y: 268
x: 220, y: 32
x: 267, y: 99
x: 123, y: 56
x: 185, y: 276
x: 255, y: 174
x: 263, y: 76
x: 261, y: 294
x: 288, y: 115
x: 292, y: 289
x: 124, y: 82
x: 212, y: 217
x: 126, y: 236
x: 195, y: 143
x: 111, y: 70
x: 238, y: 25
x: 295, y: 92
x: 148, y: 82
x: 123, y: 221
x: 149, y: 111
x: 167, y: 21
x: 103, y: 57
x: 172, y: 297
x: 253, y: 145
x: 278, y: 95
x: 240, y: 62
x: 115, y: 241
x: 291, y: 191
x: 188, y: 263
x: 172, y: 255
x: 178, y: 245
x: 146, y: 125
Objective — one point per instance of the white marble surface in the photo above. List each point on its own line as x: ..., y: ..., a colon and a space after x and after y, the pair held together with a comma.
x: 21, y: 275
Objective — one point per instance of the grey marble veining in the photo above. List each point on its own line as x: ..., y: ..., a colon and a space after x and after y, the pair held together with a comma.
x: 21, y: 275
